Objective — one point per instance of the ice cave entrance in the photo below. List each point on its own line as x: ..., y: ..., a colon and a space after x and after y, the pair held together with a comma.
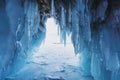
x: 60, y: 53
x: 53, y: 56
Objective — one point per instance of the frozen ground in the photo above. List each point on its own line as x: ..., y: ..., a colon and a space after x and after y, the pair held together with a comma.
x: 51, y: 61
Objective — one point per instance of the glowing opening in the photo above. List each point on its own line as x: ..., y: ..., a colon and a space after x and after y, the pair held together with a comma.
x: 55, y: 48
x: 53, y: 56
x: 51, y: 31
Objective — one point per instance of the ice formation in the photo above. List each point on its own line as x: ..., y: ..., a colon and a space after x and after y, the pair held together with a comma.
x: 93, y: 24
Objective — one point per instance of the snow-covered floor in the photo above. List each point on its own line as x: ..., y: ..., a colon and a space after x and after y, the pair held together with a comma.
x: 52, y: 60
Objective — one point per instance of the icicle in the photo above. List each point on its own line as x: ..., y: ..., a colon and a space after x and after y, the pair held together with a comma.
x: 86, y: 28
x: 18, y: 29
x: 62, y: 16
x: 63, y: 25
x: 70, y: 14
x: 52, y: 8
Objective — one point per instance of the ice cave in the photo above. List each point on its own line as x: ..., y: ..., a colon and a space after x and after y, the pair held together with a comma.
x: 60, y: 40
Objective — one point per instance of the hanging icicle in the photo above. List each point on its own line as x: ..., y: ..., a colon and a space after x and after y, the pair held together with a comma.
x: 53, y: 8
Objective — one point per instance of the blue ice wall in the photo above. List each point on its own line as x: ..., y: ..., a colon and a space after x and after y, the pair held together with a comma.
x: 9, y: 14
x: 95, y: 29
x: 4, y: 38
x: 19, y: 28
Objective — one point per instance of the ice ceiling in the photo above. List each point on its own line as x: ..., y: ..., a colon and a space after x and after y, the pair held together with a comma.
x: 94, y: 26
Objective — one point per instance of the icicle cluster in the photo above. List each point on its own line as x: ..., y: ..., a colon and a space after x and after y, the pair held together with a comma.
x: 94, y: 26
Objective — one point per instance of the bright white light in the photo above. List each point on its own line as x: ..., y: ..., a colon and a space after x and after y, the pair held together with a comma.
x: 52, y: 30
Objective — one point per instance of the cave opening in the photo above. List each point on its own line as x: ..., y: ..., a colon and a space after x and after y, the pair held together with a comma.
x: 53, y: 57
